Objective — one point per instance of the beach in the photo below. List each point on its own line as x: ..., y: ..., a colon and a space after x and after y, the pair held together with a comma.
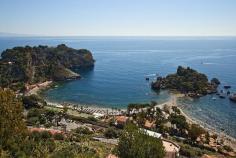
x: 99, y: 110
x: 34, y: 89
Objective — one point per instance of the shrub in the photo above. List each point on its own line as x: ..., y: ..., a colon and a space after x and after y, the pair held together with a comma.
x: 46, y: 135
x: 33, y: 120
x: 35, y: 135
x: 83, y: 130
x: 34, y: 112
x: 227, y: 148
x: 111, y: 133
x: 195, y: 131
x: 33, y: 101
x: 58, y: 136
x: 92, y: 119
x: 48, y: 125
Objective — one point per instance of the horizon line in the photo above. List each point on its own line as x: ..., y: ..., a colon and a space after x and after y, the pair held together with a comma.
x: 7, y: 34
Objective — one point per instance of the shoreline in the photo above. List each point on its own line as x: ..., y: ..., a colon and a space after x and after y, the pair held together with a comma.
x: 228, y: 140
x: 35, y: 89
x: 88, y: 108
x: 91, y: 109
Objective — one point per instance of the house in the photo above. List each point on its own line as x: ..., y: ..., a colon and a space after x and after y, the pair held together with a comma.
x: 52, y: 131
x: 149, y: 125
x: 111, y: 156
x: 172, y: 149
x: 151, y: 133
x: 98, y: 115
x: 121, y: 120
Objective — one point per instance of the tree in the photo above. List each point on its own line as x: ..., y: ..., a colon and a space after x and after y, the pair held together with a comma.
x: 12, y: 126
x: 33, y: 101
x: 135, y: 143
x: 195, y: 131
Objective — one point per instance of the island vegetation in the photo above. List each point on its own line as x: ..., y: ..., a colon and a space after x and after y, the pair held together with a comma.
x: 21, y: 66
x: 187, y: 81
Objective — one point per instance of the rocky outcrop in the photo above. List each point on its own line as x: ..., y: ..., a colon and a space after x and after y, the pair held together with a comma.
x: 30, y: 65
x: 233, y: 97
x: 187, y: 81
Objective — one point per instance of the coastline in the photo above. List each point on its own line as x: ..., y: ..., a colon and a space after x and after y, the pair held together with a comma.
x: 228, y: 140
x: 94, y: 109
x: 91, y: 109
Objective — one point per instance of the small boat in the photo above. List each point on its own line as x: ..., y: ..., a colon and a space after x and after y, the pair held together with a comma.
x: 222, y: 96
x: 213, y: 98
x: 147, y: 78
x: 227, y: 86
x: 228, y: 93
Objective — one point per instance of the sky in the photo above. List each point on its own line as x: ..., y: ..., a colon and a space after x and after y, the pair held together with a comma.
x: 119, y: 17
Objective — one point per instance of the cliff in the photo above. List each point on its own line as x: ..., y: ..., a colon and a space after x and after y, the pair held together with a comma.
x: 21, y: 65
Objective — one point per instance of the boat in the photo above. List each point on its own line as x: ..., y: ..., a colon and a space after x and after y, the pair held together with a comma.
x: 227, y: 86
x: 233, y: 97
x: 213, y: 98
x: 228, y: 93
x: 222, y: 96
x: 147, y: 78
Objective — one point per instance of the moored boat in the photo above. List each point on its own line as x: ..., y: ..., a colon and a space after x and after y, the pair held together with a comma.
x: 222, y: 96
x: 227, y: 86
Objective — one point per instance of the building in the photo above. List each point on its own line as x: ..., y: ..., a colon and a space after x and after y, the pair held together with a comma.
x: 52, y: 131
x: 98, y: 115
x: 121, y: 120
x: 151, y: 133
x: 172, y: 149
x: 149, y: 125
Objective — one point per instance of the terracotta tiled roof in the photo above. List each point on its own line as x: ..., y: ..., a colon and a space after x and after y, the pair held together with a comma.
x: 111, y: 156
x: 121, y: 119
x: 148, y: 124
x: 52, y: 131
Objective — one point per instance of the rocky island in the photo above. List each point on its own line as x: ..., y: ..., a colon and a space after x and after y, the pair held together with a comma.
x: 187, y: 81
x: 21, y: 66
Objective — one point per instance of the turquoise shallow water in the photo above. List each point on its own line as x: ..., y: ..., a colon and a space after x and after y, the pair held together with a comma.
x: 118, y: 77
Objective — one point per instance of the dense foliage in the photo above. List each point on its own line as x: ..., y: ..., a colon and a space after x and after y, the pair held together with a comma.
x: 37, y: 64
x: 33, y: 101
x: 195, y: 131
x: 12, y: 126
x: 17, y: 141
x: 111, y: 133
x: 134, y: 143
x: 186, y: 80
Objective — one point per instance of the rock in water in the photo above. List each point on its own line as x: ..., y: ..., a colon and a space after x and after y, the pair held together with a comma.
x: 233, y: 97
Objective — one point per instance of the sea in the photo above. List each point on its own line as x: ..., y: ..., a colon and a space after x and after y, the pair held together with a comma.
x: 123, y: 64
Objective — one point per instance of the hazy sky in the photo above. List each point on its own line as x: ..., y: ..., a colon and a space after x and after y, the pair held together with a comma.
x: 118, y: 17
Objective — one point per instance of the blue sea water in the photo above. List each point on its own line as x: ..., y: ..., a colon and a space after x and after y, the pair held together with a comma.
x: 122, y: 63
